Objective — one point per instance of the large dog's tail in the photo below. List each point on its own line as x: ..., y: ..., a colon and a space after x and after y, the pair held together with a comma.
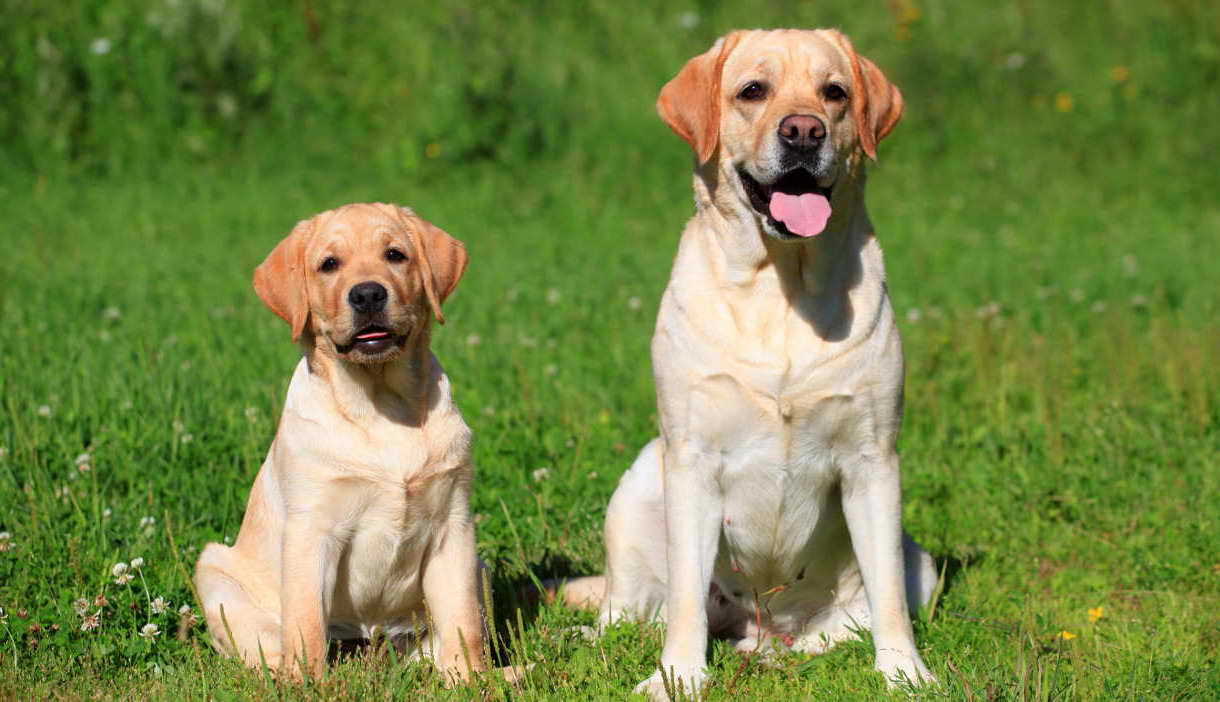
x: 579, y: 593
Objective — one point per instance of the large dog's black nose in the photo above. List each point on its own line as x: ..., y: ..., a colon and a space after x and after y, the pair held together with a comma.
x: 367, y: 298
x: 802, y: 132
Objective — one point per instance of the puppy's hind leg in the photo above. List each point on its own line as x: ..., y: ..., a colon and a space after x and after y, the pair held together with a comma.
x: 242, y: 612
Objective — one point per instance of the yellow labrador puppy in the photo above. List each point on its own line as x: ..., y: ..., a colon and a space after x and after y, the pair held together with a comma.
x: 358, y: 523
x: 769, y: 510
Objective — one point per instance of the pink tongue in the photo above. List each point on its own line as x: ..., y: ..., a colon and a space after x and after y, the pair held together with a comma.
x: 372, y: 335
x: 804, y: 215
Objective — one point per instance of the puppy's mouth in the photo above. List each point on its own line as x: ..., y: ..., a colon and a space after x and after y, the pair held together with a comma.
x: 372, y: 341
x: 794, y: 205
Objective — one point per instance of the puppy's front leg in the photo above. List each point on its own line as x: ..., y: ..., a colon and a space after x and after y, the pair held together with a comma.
x: 873, y: 507
x: 451, y: 591
x: 694, y: 509
x: 308, y: 568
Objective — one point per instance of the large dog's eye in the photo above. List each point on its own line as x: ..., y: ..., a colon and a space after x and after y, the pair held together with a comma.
x: 834, y: 92
x: 394, y: 255
x: 753, y: 91
x: 330, y: 265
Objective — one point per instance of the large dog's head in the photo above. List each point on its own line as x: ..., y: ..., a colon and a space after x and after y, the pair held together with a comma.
x: 784, y: 116
x: 361, y: 279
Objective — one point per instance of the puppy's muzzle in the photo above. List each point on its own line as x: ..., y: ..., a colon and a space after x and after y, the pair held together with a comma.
x: 801, y: 133
x: 367, y: 298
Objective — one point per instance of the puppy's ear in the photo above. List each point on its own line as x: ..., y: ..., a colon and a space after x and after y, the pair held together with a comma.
x: 876, y: 105
x: 280, y: 279
x: 442, y: 259
x: 690, y: 102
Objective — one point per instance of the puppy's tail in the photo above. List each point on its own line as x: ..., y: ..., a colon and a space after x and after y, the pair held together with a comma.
x: 578, y: 593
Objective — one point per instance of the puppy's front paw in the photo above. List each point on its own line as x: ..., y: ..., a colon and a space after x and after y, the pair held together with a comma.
x: 686, y: 682
x: 900, y: 668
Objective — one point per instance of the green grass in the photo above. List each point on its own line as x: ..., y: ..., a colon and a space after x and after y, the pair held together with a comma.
x: 1051, y: 231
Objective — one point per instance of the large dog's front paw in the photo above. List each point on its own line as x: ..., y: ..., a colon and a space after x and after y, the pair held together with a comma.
x: 901, y: 668
x: 686, y: 682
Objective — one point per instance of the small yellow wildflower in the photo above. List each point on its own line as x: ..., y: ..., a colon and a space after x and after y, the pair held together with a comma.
x: 1120, y: 74
x: 1064, y: 102
x: 1066, y: 635
x: 1096, y: 613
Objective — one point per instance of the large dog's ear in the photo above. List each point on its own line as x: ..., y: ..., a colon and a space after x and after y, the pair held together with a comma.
x: 876, y: 105
x: 280, y: 279
x: 690, y: 102
x: 442, y: 259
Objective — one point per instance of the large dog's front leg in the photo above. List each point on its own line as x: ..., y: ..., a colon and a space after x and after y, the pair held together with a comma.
x: 451, y: 591
x: 872, y: 505
x: 693, y: 511
x: 309, y: 565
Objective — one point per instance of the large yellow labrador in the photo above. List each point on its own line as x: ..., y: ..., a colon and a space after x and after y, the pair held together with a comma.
x: 360, y: 514
x: 768, y: 510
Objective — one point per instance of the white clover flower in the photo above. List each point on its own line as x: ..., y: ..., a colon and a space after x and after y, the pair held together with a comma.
x: 104, y: 335
x: 83, y: 458
x: 111, y: 313
x: 137, y: 563
x: 188, y: 438
x: 121, y: 574
x: 591, y: 475
x: 5, y: 536
x: 688, y: 19
x: 44, y: 410
x: 541, y: 474
x: 149, y: 631
x: 552, y: 296
x: 914, y: 315
x: 147, y: 521
x: 81, y: 606
x: 1099, y: 307
x: 489, y: 411
x: 106, y: 512
x: 185, y: 610
x: 1014, y: 62
x: 100, y: 46
x: 1139, y: 301
x: 179, y: 427
x: 474, y: 340
x: 159, y: 605
x: 126, y: 405
x: 89, y: 622
x: 634, y: 303
x: 251, y: 413
x: 529, y: 342
x: 551, y: 369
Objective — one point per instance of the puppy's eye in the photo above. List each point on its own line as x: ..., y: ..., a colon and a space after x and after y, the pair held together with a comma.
x: 330, y: 265
x: 394, y: 255
x: 753, y: 91
x: 834, y: 92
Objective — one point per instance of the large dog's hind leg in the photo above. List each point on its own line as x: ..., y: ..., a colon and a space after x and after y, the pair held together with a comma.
x: 636, y: 566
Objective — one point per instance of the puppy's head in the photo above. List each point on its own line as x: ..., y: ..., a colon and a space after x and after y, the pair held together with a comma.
x: 361, y: 279
x: 788, y: 113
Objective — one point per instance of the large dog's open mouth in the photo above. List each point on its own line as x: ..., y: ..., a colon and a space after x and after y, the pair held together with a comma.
x: 794, y: 204
x: 372, y: 340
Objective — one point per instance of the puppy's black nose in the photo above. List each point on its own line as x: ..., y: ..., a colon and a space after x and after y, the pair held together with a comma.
x: 802, y: 132
x: 367, y: 298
